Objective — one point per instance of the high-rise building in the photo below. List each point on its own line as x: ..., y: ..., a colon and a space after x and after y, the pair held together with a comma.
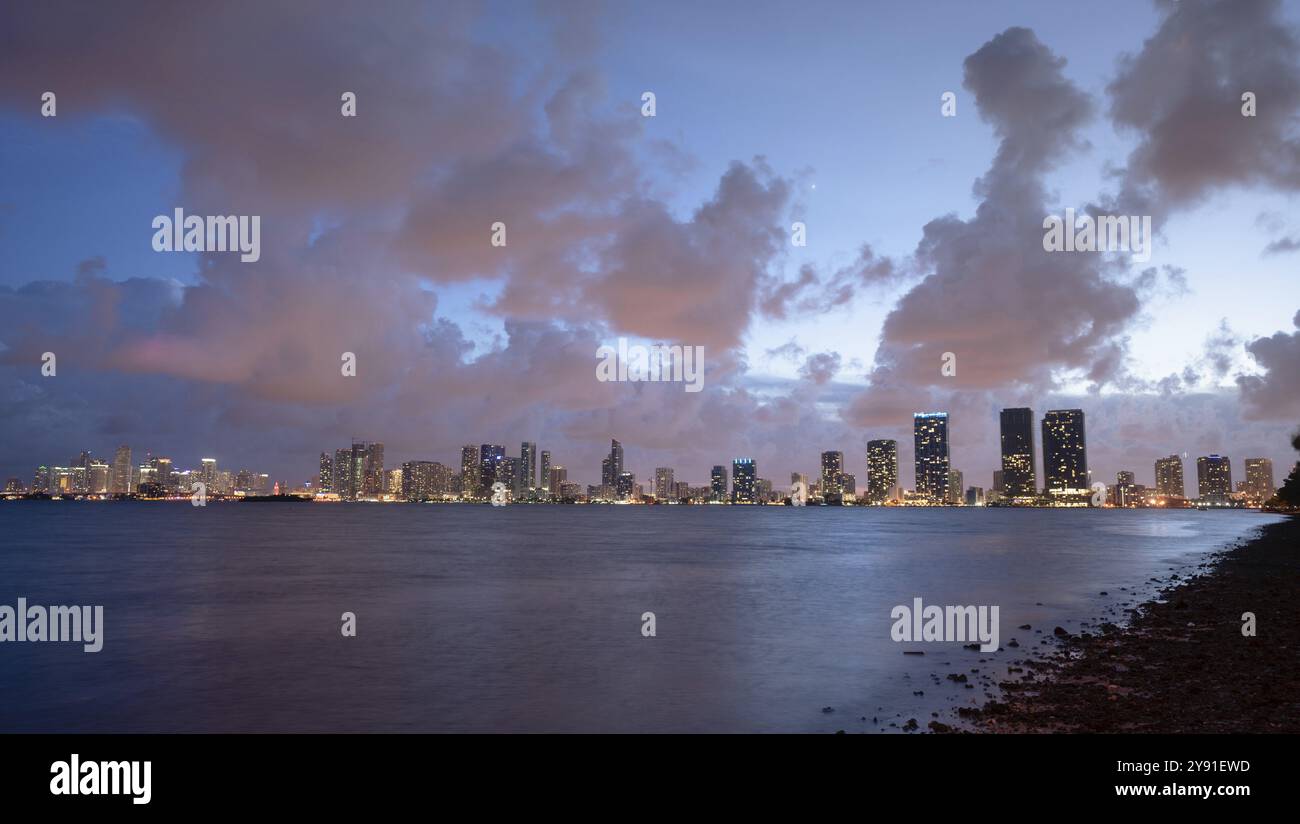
x: 557, y: 477
x: 882, y: 470
x: 718, y: 483
x: 470, y: 484
x: 1214, y: 478
x: 325, y: 477
x: 1125, y: 488
x: 1169, y: 477
x: 612, y: 467
x: 955, y: 487
x: 373, y: 470
x: 999, y: 481
x: 508, y: 474
x: 1018, y: 475
x: 1259, y: 478
x: 930, y: 436
x: 625, y: 485
x: 665, y: 487
x: 546, y: 473
x: 832, y: 483
x: 41, y: 481
x: 342, y: 474
x: 1065, y: 452
x: 490, y: 457
x: 744, y: 481
x: 420, y: 480
x: 122, y: 471
x: 97, y: 478
x: 527, y: 479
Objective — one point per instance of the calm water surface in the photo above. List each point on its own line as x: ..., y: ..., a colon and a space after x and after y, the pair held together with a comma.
x: 528, y: 618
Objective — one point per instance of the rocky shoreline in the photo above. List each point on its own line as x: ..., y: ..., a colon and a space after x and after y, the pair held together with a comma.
x: 1182, y: 665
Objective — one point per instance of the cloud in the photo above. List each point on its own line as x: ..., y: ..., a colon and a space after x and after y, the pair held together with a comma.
x: 1274, y: 395
x: 1181, y: 94
x: 1014, y: 315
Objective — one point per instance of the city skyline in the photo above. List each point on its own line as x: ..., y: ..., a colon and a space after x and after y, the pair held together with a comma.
x: 359, y: 473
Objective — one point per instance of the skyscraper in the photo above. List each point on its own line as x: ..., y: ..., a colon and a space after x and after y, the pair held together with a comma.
x: 527, y: 480
x: 469, y: 472
x: 122, y: 471
x: 556, y: 478
x: 1065, y: 452
x: 1169, y: 477
x: 1018, y: 476
x: 665, y: 487
x: 612, y: 467
x: 342, y: 474
x: 718, y: 483
x: 882, y: 470
x: 744, y: 481
x: 1259, y: 478
x: 955, y: 487
x: 325, y: 477
x: 546, y: 473
x: 490, y: 457
x: 373, y: 470
x: 930, y: 436
x: 832, y: 477
x: 625, y: 485
x: 1214, y: 478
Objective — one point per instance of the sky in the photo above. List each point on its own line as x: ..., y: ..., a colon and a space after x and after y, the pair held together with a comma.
x: 923, y: 231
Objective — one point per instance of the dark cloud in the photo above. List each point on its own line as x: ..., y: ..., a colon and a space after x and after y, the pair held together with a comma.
x: 1275, y: 394
x: 1181, y: 94
x: 1013, y: 315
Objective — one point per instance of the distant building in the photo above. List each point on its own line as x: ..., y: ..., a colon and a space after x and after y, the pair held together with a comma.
x: 625, y: 486
x: 527, y: 480
x: 469, y: 472
x: 882, y: 470
x: 718, y: 483
x: 930, y: 437
x: 1018, y: 477
x: 1169, y: 477
x: 665, y: 489
x: 832, y: 484
x: 122, y: 471
x: 557, y: 478
x: 342, y: 474
x: 975, y: 496
x: 490, y: 458
x: 1126, y: 489
x: 999, y: 481
x: 1214, y: 478
x: 955, y: 486
x: 744, y: 481
x: 546, y: 472
x: 1259, y: 478
x: 1065, y: 452
x: 612, y: 467
x: 325, y: 477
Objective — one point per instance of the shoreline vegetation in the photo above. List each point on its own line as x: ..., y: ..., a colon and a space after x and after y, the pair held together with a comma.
x: 1182, y: 665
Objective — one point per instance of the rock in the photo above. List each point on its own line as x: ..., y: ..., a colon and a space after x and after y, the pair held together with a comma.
x: 1026, y: 626
x: 935, y: 726
x: 910, y: 725
x: 1061, y: 632
x: 957, y: 677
